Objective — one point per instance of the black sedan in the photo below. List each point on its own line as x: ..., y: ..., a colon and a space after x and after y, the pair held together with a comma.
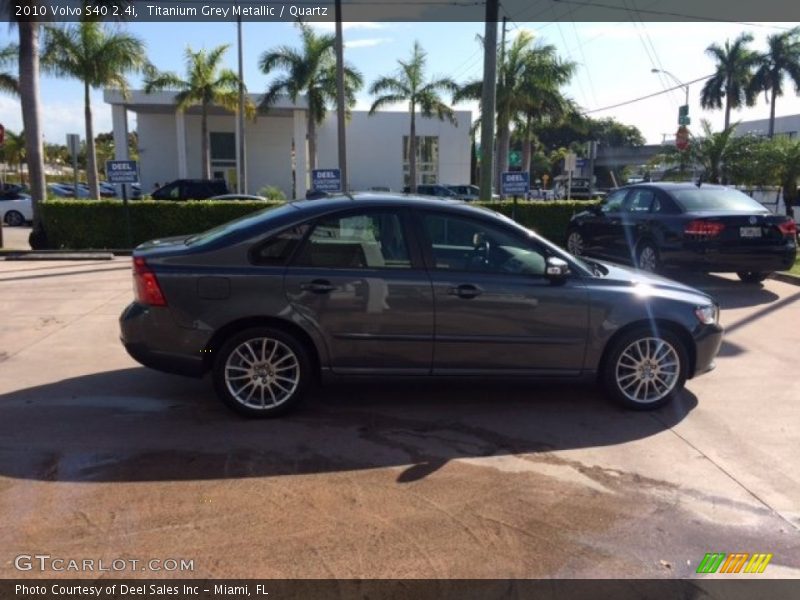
x: 698, y: 227
x: 391, y: 285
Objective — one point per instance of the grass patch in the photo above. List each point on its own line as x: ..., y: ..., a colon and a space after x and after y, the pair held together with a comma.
x: 795, y: 270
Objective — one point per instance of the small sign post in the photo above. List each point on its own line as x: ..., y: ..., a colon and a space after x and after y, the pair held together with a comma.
x: 123, y: 172
x: 326, y: 180
x: 514, y: 183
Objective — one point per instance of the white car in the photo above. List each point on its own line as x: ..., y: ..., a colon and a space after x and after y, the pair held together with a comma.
x: 16, y: 211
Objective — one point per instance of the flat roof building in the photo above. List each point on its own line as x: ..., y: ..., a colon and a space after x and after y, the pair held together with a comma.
x: 275, y: 144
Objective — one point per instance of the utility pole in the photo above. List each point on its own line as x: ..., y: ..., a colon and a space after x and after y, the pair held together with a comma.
x: 488, y: 99
x: 241, y: 176
x: 340, y: 99
x: 501, y: 164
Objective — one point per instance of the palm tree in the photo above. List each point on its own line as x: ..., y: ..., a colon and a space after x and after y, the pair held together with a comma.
x: 29, y: 42
x: 8, y: 81
x: 98, y: 56
x: 781, y: 58
x: 409, y: 84
x: 541, y: 98
x: 529, y: 81
x: 311, y: 71
x: 206, y: 83
x: 731, y: 81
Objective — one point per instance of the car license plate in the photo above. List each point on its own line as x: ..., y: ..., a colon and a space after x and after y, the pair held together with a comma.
x: 750, y: 232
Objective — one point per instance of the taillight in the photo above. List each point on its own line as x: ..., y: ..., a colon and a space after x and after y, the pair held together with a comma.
x: 702, y: 228
x: 146, y: 284
x: 788, y: 227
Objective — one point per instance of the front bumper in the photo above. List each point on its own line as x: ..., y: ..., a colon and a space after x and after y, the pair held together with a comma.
x: 707, y: 342
x: 151, y: 338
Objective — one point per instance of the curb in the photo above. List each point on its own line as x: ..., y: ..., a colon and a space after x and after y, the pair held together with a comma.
x: 61, y: 254
x: 786, y: 278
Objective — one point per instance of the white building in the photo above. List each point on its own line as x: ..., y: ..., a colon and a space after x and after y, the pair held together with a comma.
x: 170, y: 148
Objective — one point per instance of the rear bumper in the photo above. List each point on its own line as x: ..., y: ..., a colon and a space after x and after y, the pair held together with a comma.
x: 707, y: 342
x: 732, y: 258
x: 152, y: 339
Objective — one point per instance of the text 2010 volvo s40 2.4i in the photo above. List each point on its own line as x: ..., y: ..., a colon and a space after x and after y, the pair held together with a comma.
x: 383, y: 285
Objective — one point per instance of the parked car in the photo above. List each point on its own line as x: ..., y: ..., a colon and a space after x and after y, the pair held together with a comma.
x: 379, y: 284
x: 426, y: 189
x: 15, y: 207
x: 61, y: 190
x: 191, y: 189
x: 697, y: 227
x: 245, y: 197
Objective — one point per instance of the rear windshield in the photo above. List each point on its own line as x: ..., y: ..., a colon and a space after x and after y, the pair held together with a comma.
x: 239, y: 224
x: 716, y: 199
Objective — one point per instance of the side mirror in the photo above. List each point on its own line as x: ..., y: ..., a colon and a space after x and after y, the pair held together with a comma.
x: 557, y: 270
x: 597, y: 209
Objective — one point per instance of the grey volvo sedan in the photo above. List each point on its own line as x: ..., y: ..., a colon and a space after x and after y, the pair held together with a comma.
x: 378, y: 284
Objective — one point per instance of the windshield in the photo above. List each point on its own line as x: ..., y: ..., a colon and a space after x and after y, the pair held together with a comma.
x: 238, y: 224
x: 714, y: 198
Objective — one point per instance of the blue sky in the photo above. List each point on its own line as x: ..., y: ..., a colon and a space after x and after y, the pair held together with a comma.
x: 615, y: 62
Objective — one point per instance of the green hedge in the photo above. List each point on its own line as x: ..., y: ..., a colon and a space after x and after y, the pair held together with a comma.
x: 548, y: 219
x: 93, y: 224
x: 84, y: 224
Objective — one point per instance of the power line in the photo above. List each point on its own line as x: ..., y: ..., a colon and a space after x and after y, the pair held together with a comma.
x: 665, y: 13
x: 640, y: 98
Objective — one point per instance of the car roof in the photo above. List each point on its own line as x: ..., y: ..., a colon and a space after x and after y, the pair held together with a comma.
x: 668, y: 186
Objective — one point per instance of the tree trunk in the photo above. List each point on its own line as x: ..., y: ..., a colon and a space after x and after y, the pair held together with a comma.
x: 503, y: 140
x: 312, y: 141
x: 772, y: 114
x: 205, y: 148
x: 412, y: 152
x: 727, y: 110
x: 91, y: 152
x: 526, y: 147
x: 31, y: 114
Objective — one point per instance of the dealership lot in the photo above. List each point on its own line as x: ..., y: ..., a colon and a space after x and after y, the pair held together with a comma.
x: 103, y: 459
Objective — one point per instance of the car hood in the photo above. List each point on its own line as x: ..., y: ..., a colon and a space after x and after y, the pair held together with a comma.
x: 649, y: 283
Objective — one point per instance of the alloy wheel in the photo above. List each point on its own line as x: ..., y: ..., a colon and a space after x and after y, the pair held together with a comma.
x: 262, y: 373
x: 575, y: 243
x: 648, y: 259
x: 647, y: 370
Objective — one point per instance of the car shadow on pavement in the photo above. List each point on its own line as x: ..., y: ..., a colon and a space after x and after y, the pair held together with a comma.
x: 138, y: 425
x: 730, y: 293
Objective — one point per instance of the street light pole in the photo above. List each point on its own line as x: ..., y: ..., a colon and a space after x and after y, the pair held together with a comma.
x: 685, y: 86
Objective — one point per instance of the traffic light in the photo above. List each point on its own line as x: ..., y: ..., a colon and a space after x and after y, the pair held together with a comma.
x: 683, y: 115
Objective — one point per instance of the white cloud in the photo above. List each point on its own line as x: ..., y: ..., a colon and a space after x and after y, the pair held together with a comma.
x: 58, y: 118
x: 367, y: 43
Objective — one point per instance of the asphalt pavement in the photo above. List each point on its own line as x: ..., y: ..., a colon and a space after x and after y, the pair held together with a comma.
x: 101, y: 458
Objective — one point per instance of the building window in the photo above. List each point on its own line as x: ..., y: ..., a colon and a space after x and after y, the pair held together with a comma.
x: 223, y: 146
x: 427, y: 159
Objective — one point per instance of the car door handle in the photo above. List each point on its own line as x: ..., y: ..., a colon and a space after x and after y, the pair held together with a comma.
x: 318, y: 286
x: 465, y: 290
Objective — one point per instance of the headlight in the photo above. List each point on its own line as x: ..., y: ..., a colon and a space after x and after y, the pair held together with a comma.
x: 707, y: 315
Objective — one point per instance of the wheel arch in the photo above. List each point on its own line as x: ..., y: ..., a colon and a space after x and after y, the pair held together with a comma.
x: 673, y: 327
x: 234, y: 327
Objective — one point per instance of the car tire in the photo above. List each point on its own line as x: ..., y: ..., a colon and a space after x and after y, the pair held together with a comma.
x: 753, y: 276
x: 647, y: 257
x: 576, y: 244
x: 645, y: 369
x: 14, y: 218
x: 262, y: 372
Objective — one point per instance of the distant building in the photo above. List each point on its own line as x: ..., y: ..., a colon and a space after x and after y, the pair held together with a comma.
x: 788, y: 126
x: 276, y: 152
